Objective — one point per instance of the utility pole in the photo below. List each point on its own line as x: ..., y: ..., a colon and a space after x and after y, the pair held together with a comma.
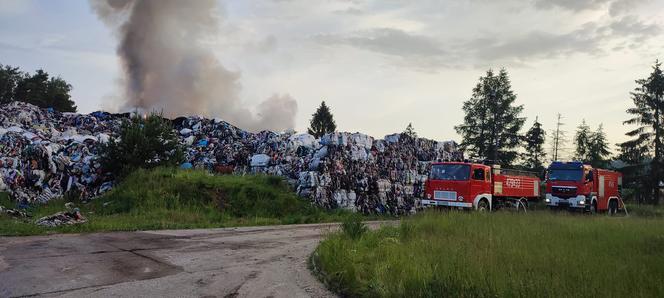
x: 494, y: 154
x: 558, y: 138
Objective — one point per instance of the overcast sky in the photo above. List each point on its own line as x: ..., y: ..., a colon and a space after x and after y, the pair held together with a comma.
x: 381, y: 64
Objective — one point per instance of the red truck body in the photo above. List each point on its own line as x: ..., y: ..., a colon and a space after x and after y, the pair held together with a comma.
x: 573, y: 185
x: 473, y: 185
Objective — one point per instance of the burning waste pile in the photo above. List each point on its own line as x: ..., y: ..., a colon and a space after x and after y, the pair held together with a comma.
x: 45, y: 154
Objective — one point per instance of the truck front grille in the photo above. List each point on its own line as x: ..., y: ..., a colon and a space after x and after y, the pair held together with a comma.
x: 445, y: 195
x: 563, y: 191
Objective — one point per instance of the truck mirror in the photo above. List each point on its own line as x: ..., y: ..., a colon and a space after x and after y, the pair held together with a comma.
x: 589, y: 177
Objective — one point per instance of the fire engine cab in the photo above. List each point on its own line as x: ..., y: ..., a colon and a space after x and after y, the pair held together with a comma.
x: 478, y: 186
x: 575, y: 186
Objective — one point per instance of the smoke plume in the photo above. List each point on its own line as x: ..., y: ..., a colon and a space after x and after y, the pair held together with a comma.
x: 167, y: 67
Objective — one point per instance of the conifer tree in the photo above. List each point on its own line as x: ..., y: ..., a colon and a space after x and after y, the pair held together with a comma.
x: 582, y: 140
x: 490, y: 129
x: 647, y: 113
x: 410, y: 131
x: 598, y: 150
x: 143, y: 143
x: 534, y: 145
x: 322, y: 121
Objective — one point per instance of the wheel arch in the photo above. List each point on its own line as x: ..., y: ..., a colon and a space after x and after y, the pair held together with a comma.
x: 480, y: 197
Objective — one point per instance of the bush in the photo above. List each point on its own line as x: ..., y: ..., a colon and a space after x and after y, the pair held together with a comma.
x: 144, y: 143
x: 353, y: 227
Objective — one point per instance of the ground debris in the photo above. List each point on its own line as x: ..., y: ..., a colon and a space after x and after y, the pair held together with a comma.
x: 14, y: 213
x: 71, y: 216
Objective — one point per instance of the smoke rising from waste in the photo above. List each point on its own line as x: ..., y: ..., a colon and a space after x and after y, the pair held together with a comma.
x: 167, y: 67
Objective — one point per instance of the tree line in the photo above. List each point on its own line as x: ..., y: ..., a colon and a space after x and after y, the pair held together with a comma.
x: 491, y: 131
x: 492, y: 125
x: 39, y: 89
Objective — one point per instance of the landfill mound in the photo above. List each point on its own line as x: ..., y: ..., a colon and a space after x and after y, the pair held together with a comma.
x: 45, y: 154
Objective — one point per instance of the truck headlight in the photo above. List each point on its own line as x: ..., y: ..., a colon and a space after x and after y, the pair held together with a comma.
x: 582, y: 202
x: 547, y: 200
x: 460, y: 198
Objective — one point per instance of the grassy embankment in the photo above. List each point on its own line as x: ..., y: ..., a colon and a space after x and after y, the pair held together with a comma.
x: 178, y: 199
x: 461, y: 254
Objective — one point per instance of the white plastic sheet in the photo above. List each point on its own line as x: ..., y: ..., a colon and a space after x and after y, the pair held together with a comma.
x: 260, y: 160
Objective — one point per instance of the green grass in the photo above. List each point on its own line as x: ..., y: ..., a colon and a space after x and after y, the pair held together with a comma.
x: 178, y: 199
x: 646, y: 210
x: 467, y: 254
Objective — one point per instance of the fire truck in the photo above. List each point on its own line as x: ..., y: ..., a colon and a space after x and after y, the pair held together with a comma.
x: 479, y: 186
x: 575, y: 186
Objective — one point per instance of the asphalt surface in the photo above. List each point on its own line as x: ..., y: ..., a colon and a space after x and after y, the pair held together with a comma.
x: 233, y: 262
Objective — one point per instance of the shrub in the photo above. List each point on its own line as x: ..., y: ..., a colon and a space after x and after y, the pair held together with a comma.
x: 353, y: 227
x: 143, y: 143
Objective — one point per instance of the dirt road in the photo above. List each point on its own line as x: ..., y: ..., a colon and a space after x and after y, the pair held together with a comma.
x: 234, y: 262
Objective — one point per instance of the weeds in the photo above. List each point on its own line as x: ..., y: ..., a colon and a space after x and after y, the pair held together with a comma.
x: 461, y: 254
x: 353, y: 227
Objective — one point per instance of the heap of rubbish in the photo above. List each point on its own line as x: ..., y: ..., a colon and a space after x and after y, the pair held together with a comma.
x: 72, y: 216
x: 45, y: 154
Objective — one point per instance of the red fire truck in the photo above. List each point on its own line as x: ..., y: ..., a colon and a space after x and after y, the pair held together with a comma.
x: 478, y: 186
x: 575, y: 186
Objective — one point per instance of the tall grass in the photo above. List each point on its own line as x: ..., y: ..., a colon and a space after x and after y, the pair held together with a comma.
x: 167, y: 198
x: 353, y: 227
x: 538, y: 254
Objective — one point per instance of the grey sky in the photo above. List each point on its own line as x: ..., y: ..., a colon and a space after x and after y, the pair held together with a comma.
x: 381, y: 64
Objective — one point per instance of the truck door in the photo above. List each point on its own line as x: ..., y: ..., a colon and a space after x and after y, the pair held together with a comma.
x: 479, y: 182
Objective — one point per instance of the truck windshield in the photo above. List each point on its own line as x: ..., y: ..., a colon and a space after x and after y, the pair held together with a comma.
x: 450, y: 172
x: 565, y: 175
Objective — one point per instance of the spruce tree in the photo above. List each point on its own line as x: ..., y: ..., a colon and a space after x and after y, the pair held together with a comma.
x: 322, y: 122
x: 492, y: 121
x: 534, y: 145
x: 582, y: 140
x: 410, y: 131
x: 598, y: 149
x: 647, y: 112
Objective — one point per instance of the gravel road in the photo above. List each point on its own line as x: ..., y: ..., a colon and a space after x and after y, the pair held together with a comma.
x: 234, y: 262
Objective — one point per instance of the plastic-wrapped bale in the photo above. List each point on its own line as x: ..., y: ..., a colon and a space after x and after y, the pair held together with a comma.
x: 362, y: 140
x: 302, y: 140
x: 335, y: 138
x: 260, y: 160
x: 393, y: 138
x: 380, y: 145
x: 345, y: 199
x: 358, y: 153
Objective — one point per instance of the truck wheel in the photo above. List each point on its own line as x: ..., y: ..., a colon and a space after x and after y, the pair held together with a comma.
x: 483, y: 206
x: 593, y: 207
x: 613, y: 207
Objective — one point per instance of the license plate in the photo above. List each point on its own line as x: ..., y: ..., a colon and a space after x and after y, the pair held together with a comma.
x: 447, y: 203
